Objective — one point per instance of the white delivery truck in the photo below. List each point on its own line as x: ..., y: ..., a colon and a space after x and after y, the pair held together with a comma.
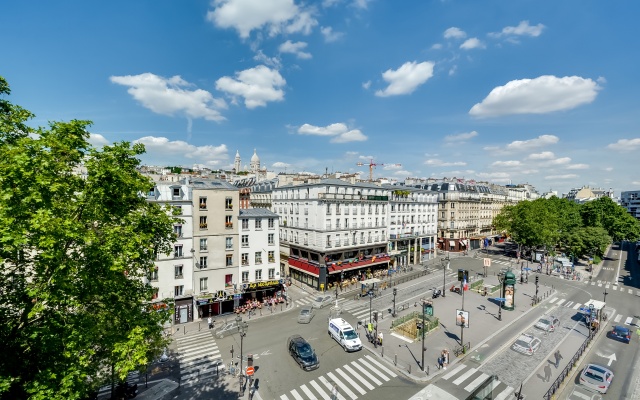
x: 344, y: 334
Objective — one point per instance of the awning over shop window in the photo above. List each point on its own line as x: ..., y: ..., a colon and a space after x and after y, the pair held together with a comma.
x: 452, y: 243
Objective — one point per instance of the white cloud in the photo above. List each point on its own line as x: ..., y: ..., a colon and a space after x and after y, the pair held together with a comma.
x: 366, y: 85
x: 257, y: 86
x: 542, y: 140
x: 406, y: 79
x: 453, y: 70
x: 436, y: 46
x: 434, y: 162
x: 339, y: 132
x: 561, y: 177
x: 170, y: 96
x: 541, y: 95
x: 495, y: 176
x: 528, y: 171
x: 460, y: 138
x: 608, y: 169
x: 362, y: 4
x: 472, y: 43
x: 165, y: 151
x: 523, y: 29
x: 273, y: 62
x: 506, y: 164
x: 454, y: 33
x: 295, y: 48
x: 97, y: 140
x: 280, y: 165
x: 247, y: 15
x: 635, y: 182
x: 578, y: 166
x: 330, y: 35
x: 392, y: 167
x: 545, y: 155
x: 625, y: 145
x: 560, y: 161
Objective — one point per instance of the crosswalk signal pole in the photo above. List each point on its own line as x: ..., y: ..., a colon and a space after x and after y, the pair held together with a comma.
x: 422, y: 363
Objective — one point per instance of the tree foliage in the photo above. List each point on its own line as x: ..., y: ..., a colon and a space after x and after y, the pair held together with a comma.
x: 74, y: 250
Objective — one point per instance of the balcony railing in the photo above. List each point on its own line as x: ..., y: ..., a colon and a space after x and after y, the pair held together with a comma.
x: 203, y: 226
x: 245, y: 262
x: 203, y: 206
x: 228, y: 225
x: 179, y: 276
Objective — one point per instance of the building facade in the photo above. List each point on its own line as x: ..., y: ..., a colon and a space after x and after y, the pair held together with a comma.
x: 631, y: 201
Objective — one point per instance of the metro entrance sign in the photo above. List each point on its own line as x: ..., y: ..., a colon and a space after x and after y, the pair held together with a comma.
x: 250, y: 371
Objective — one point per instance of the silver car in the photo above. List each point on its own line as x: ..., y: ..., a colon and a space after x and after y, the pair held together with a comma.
x: 306, y: 315
x: 526, y: 344
x: 596, y: 377
x: 548, y: 323
x: 227, y: 329
x: 322, y: 301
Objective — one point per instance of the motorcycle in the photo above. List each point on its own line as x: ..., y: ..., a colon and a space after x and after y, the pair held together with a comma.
x: 436, y: 293
x: 454, y: 289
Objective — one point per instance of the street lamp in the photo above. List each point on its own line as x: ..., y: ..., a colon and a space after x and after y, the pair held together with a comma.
x: 444, y: 273
x: 501, y: 299
x: 243, y: 327
x: 395, y: 292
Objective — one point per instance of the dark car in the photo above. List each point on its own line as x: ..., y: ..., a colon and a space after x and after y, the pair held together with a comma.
x: 303, y: 353
x: 620, y: 333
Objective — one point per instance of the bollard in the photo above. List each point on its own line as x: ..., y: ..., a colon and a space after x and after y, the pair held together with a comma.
x: 184, y: 329
x: 199, y: 327
x: 280, y: 306
x: 428, y: 370
x: 409, y: 368
x: 395, y: 359
x: 382, y: 351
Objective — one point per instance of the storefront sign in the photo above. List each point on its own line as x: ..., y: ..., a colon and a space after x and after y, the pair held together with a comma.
x: 261, y: 285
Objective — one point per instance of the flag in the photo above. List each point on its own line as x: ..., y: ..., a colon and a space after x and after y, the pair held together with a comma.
x: 465, y: 286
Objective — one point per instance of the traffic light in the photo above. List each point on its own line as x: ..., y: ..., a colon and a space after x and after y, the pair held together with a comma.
x: 249, y: 360
x: 537, y: 279
x: 395, y: 291
x: 460, y: 275
x: 375, y: 316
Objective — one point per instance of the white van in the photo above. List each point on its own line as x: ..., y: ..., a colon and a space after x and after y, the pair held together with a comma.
x: 344, y: 334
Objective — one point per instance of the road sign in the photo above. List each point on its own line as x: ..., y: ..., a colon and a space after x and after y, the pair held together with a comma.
x: 250, y: 371
x: 487, y: 262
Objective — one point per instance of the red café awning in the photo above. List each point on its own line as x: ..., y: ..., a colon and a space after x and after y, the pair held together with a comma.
x: 335, y: 268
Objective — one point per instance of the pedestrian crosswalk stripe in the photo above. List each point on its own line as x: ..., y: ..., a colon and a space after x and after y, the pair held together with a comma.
x: 593, y: 283
x: 296, y: 395
x: 599, y: 284
x: 343, y: 387
x: 568, y: 304
x: 505, y: 393
x: 365, y: 372
x: 358, y: 377
x: 455, y: 371
x: 329, y: 386
x: 476, y: 382
x: 576, y: 306
x: 628, y: 321
x: 464, y: 376
x: 553, y: 300
x: 617, y: 318
x: 630, y: 291
x: 319, y: 390
x: 387, y: 370
x: 561, y: 301
x: 380, y: 374
x: 306, y: 391
x: 351, y: 381
x: 606, y: 286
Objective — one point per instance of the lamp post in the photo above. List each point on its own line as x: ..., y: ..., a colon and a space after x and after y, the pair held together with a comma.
x: 395, y: 292
x: 501, y: 280
x: 444, y: 273
x: 243, y: 327
x: 370, y: 293
x: 422, y: 363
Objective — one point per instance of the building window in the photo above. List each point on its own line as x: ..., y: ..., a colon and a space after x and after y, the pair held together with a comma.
x: 229, y: 243
x: 245, y: 276
x: 258, y: 257
x: 272, y: 256
x: 258, y: 223
x: 153, y: 275
x: 176, y: 192
x: 453, y: 205
x: 203, y: 284
x: 245, y: 241
x: 203, y: 203
x: 270, y: 223
x: 228, y: 280
x: 203, y: 222
x: 178, y: 269
x: 453, y: 214
x: 245, y: 258
x: 177, y: 210
x: 177, y: 229
x: 155, y: 293
x: 203, y: 262
x: 272, y: 273
x: 203, y: 244
x: 228, y: 203
x: 228, y: 221
x: 258, y: 275
x: 177, y: 251
x: 178, y: 290
x: 229, y: 260
x: 245, y: 223
x: 270, y: 239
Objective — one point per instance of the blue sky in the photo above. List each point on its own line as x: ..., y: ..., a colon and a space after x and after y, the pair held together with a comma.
x: 541, y: 92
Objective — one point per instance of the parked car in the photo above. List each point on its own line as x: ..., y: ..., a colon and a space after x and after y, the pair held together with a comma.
x: 302, y: 353
x: 526, y: 344
x: 548, y: 323
x: 620, y: 333
x: 227, y: 329
x: 596, y: 377
x: 306, y: 315
x: 322, y: 301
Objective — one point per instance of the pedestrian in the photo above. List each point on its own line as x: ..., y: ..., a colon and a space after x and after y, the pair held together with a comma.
x: 440, y: 361
x: 558, y: 357
x: 210, y: 322
x: 334, y: 392
x: 547, y: 373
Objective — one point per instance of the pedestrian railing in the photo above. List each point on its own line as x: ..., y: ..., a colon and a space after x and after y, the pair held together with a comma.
x: 567, y: 370
x: 461, y: 349
x: 399, y: 321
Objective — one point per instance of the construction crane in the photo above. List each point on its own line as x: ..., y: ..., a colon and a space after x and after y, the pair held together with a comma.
x: 372, y: 164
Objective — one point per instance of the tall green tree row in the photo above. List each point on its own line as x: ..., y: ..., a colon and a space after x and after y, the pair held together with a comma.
x: 579, y: 229
x: 73, y: 250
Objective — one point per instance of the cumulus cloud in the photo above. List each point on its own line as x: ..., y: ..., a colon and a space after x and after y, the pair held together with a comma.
x: 163, y: 151
x: 523, y: 29
x: 170, y: 96
x: 276, y: 16
x: 454, y: 33
x: 545, y: 155
x: 436, y: 46
x: 273, y: 62
x: 495, y: 176
x: 541, y: 95
x: 560, y: 161
x: 366, y: 85
x: 506, y: 164
x: 330, y: 35
x: 280, y: 165
x: 257, y: 86
x: 434, y: 162
x: 338, y: 132
x: 295, y: 48
x: 472, y: 43
x: 97, y: 140
x: 578, y: 166
x: 460, y: 138
x: 625, y: 145
x: 406, y: 79
x: 540, y: 141
x: 561, y: 177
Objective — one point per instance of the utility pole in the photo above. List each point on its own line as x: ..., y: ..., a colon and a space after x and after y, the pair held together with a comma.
x: 422, y: 363
x: 444, y: 274
x: 395, y: 292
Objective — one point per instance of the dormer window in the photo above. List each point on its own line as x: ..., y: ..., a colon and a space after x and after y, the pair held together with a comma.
x: 176, y: 192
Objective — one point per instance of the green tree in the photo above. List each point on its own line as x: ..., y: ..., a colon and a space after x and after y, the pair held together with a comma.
x: 615, y: 219
x: 74, y: 252
x: 588, y: 241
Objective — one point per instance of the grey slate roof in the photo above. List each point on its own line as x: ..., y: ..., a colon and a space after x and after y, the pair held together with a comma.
x: 257, y: 213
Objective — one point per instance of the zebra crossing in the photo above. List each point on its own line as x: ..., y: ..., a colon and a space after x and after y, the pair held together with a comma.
x: 350, y: 381
x: 357, y: 308
x: 199, y: 356
x: 631, y: 321
x: 614, y: 286
x: 467, y: 379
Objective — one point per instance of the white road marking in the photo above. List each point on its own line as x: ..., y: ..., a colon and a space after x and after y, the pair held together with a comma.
x: 561, y: 301
x: 330, y: 387
x: 553, y: 300
x: 464, y: 376
x: 476, y: 382
x: 366, y: 373
x: 342, y: 386
x: 617, y: 318
x: 296, y: 395
x: 380, y: 374
x: 308, y: 392
x: 576, y: 306
x: 628, y: 321
x: 505, y: 393
x: 318, y: 389
x: 387, y: 370
x: 455, y: 371
x: 359, y: 377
